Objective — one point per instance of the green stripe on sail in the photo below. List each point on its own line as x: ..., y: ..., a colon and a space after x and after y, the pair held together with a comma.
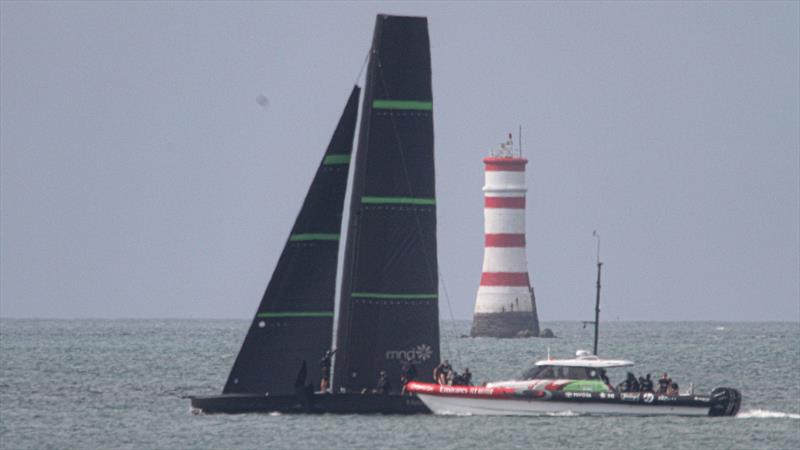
x: 383, y: 296
x: 398, y: 201
x: 334, y: 159
x: 295, y: 314
x: 402, y: 104
x: 314, y: 237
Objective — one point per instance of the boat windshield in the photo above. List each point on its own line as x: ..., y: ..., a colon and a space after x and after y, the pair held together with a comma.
x: 560, y: 372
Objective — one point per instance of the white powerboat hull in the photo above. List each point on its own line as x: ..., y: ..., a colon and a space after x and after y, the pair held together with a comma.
x: 469, y: 400
x: 476, y: 406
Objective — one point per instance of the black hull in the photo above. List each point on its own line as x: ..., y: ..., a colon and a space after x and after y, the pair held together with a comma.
x: 316, y: 404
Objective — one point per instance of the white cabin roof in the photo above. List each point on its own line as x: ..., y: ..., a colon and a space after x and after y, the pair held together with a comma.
x: 584, y: 359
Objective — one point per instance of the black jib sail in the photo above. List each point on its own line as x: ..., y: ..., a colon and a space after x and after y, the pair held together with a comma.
x: 294, y: 321
x: 388, y: 314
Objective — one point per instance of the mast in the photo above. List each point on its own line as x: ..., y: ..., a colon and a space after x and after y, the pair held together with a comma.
x: 294, y: 321
x: 388, y: 312
x: 597, y: 299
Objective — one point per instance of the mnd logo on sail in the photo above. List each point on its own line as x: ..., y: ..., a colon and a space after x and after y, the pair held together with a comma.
x: 419, y: 353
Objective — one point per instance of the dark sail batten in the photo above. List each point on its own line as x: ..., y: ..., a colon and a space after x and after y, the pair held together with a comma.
x: 332, y: 160
x: 384, y: 296
x: 294, y: 321
x: 415, y: 105
x: 389, y: 300
x: 269, y: 315
x: 397, y: 200
x: 299, y: 237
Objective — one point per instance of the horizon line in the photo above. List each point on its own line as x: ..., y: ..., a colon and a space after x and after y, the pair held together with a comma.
x: 796, y: 321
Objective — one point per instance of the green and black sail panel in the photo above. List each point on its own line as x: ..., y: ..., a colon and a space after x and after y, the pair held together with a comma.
x: 389, y: 308
x: 294, y: 321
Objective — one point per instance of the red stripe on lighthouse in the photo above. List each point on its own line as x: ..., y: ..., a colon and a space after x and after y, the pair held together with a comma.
x: 504, y: 202
x: 504, y: 279
x: 505, y: 240
x: 494, y: 164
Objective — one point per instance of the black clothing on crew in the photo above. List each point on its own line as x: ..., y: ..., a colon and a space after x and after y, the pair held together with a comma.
x: 647, y: 384
x: 630, y: 384
x: 325, y: 363
x: 384, y: 386
x: 325, y: 370
x: 466, y: 377
x: 664, y: 383
x: 408, y: 372
x: 604, y: 377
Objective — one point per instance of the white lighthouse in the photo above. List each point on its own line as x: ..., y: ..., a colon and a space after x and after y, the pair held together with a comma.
x: 505, y: 305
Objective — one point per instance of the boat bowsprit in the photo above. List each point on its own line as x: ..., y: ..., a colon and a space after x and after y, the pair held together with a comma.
x: 571, y: 385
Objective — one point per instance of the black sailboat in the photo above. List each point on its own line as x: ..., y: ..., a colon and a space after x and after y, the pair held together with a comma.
x: 388, y: 314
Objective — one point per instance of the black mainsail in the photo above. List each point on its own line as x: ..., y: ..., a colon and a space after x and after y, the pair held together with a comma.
x: 389, y: 299
x: 294, y: 322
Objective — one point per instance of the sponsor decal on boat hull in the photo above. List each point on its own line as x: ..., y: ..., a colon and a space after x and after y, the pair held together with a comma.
x: 416, y: 354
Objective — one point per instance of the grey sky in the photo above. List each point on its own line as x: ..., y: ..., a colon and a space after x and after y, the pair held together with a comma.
x: 141, y: 178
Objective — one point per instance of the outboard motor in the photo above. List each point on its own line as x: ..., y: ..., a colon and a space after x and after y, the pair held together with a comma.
x: 724, y: 402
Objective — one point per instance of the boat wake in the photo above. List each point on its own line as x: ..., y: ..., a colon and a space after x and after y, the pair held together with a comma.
x: 454, y: 413
x: 765, y: 414
x: 563, y: 414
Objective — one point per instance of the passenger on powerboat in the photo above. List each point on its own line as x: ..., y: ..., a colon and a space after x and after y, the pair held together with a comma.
x: 578, y: 385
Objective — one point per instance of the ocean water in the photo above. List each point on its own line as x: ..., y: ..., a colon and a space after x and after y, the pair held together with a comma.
x: 106, y: 384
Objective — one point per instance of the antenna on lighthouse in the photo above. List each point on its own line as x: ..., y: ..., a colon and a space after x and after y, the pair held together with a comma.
x: 519, y: 136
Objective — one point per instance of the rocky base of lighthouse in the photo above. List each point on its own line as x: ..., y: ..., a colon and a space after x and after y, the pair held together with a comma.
x: 505, y: 324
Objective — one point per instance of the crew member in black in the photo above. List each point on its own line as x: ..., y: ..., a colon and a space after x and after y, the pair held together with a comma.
x: 407, y: 373
x: 647, y: 384
x: 325, y: 368
x: 664, y: 383
x: 384, y: 386
x: 604, y: 377
x: 630, y: 384
x: 463, y: 379
x: 466, y: 377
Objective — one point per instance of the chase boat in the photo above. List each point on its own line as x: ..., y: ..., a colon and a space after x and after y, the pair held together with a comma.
x: 570, y: 385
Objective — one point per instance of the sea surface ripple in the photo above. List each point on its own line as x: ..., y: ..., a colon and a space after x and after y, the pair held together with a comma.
x: 108, y: 384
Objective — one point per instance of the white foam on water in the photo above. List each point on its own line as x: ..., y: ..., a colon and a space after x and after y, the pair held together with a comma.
x: 563, y: 414
x: 275, y: 413
x: 720, y: 328
x: 454, y: 413
x: 765, y: 414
